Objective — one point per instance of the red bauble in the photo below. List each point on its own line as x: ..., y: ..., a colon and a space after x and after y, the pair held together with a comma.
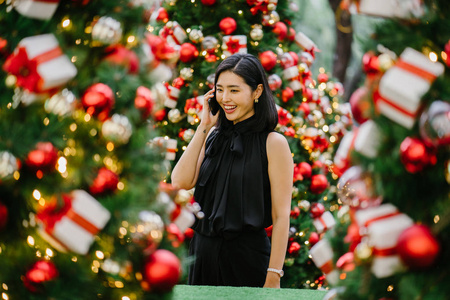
x: 188, y: 52
x: 43, y: 157
x: 287, y: 94
x: 120, y: 55
x: 319, y: 183
x: 317, y: 209
x: 160, y: 115
x: 313, y: 238
x: 189, y: 233
x: 293, y: 248
x: 360, y: 105
x: 304, y: 107
x: 144, y: 101
x: 291, y: 34
x: 322, y: 77
x: 268, y: 60
x: 208, y: 2
x: 370, y: 63
x: 228, y: 25
x: 346, y: 262
x: 417, y: 247
x: 280, y: 30
x: 162, y: 270
x: 40, y: 272
x: 3, y: 215
x: 105, y: 182
x: 163, y: 16
x: 98, y: 100
x: 295, y: 212
x: 303, y: 170
x: 415, y: 156
x: 447, y: 51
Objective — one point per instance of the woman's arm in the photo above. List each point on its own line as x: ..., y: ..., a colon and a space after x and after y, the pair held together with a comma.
x: 281, y: 170
x: 185, y: 173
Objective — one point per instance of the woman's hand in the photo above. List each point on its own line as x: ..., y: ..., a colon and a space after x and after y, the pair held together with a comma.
x: 208, y: 120
x: 272, y: 280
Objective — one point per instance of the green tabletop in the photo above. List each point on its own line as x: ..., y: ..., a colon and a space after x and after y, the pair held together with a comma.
x: 187, y: 292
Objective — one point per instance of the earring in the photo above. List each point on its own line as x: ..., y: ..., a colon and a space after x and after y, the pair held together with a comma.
x: 256, y: 100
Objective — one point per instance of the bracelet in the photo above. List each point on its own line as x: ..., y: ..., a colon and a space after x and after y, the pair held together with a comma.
x: 279, y: 272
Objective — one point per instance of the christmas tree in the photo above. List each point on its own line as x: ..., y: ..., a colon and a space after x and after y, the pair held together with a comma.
x: 391, y: 239
x: 311, y: 114
x: 83, y: 211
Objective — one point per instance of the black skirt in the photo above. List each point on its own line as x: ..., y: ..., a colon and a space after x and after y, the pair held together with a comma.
x: 240, y: 261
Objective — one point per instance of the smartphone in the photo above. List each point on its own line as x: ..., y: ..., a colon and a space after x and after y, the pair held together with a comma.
x: 213, y: 105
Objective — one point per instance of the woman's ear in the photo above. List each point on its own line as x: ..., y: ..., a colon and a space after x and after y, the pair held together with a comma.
x: 258, y: 92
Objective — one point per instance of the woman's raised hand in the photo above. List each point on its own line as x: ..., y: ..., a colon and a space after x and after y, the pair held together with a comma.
x: 208, y: 119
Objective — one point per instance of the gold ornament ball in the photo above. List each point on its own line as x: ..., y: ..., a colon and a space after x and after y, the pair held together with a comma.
x: 304, y: 205
x: 188, y: 134
x: 174, y: 115
x: 187, y: 73
x: 10, y: 81
x: 363, y: 253
x: 257, y: 33
x: 385, y: 62
x: 196, y: 35
x: 182, y: 198
x: 271, y: 6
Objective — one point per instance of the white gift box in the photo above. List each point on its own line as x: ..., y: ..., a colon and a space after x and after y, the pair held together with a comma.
x: 36, y: 9
x: 368, y: 139
x: 173, y: 33
x: 77, y: 228
x: 383, y: 236
x: 184, y: 220
x: 404, y: 84
x: 292, y: 75
x: 322, y: 256
x: 342, y: 157
x: 173, y: 94
x: 364, y: 217
x: 403, y: 9
x: 169, y: 145
x: 54, y: 68
x: 305, y: 42
x: 197, y: 113
x: 239, y: 43
x: 324, y: 222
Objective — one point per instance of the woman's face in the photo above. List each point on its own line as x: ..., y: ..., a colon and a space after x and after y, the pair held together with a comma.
x: 235, y: 97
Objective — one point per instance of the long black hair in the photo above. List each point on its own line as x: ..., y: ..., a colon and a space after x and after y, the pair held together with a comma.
x: 249, y: 68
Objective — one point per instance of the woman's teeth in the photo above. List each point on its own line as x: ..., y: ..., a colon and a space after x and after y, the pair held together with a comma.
x: 229, y: 107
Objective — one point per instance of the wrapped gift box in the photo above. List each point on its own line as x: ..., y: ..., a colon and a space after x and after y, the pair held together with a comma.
x: 232, y: 44
x: 324, y: 222
x: 194, y: 108
x: 293, y: 76
x: 172, y: 96
x: 76, y: 228
x: 36, y: 9
x: 48, y: 67
x: 383, y: 236
x: 184, y: 219
x: 322, y: 256
x: 173, y: 33
x: 404, y: 9
x: 305, y: 42
x: 342, y: 157
x: 364, y: 217
x: 169, y: 146
x: 404, y: 84
x: 368, y: 139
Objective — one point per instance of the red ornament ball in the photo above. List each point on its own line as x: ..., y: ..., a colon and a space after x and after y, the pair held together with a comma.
x: 319, y: 183
x: 415, y: 156
x: 287, y: 94
x: 268, y: 60
x: 317, y: 209
x: 447, y: 51
x: 163, y: 15
x: 144, y: 101
x: 228, y: 25
x: 160, y: 115
x: 433, y: 125
x: 322, y: 77
x: 98, y: 100
x: 370, y: 63
x: 291, y: 34
x: 360, y: 105
x: 189, y: 233
x: 294, y: 248
x: 295, y: 212
x: 304, y: 107
x: 40, y: 272
x: 305, y: 169
x: 162, y: 270
x: 313, y: 238
x: 3, y: 215
x: 280, y: 30
x: 105, y: 182
x: 43, y: 157
x: 188, y: 52
x: 208, y: 2
x: 122, y: 56
x: 417, y: 247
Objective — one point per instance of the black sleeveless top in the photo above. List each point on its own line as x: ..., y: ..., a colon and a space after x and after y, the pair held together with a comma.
x: 233, y: 187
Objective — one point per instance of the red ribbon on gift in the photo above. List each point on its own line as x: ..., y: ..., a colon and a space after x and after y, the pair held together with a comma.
x: 25, y: 69
x: 327, y: 267
x: 166, y: 31
x: 430, y: 77
x: 259, y: 6
x: 193, y: 103
x: 384, y: 252
x: 233, y: 45
x: 377, y: 98
x: 368, y: 222
x: 169, y: 90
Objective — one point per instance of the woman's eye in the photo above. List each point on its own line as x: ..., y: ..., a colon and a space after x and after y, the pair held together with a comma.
x: 234, y: 91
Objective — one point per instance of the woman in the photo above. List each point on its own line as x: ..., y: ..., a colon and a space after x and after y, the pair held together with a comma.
x: 242, y: 172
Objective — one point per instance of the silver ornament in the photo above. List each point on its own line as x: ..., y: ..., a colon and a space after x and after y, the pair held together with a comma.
x: 256, y: 33
x: 187, y: 73
x: 307, y: 58
x: 271, y: 19
x: 188, y: 134
x: 304, y: 205
x: 149, y: 229
x: 107, y: 31
x: 174, y: 115
x: 209, y: 43
x: 61, y: 104
x: 117, y: 129
x: 8, y: 165
x: 196, y: 35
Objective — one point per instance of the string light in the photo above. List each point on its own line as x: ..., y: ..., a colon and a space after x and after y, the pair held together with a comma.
x: 36, y: 194
x: 62, y: 165
x: 5, y: 296
x: 390, y: 288
x: 436, y: 219
x: 87, y: 117
x: 46, y: 121
x: 30, y: 240
x: 5, y: 286
x: 66, y: 23
x: 120, y: 185
x: 433, y: 56
x: 99, y: 254
x: 16, y: 175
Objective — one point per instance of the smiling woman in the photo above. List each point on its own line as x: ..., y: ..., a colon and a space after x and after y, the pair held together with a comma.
x: 242, y: 172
